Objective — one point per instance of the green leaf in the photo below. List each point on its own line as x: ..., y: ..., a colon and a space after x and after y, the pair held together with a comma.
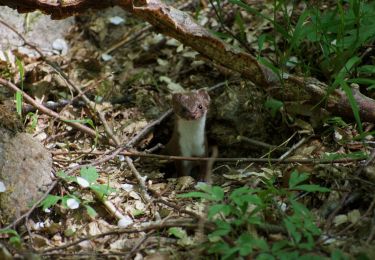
x: 138, y: 213
x: 19, y: 95
x: 50, y: 201
x: 274, y: 105
x: 362, y: 81
x: 203, y: 187
x: 9, y: 232
x: 353, y: 105
x: 311, y: 188
x: 219, y: 208
x: 217, y: 193
x: 177, y: 232
x: 90, y: 174
x: 245, y: 245
x: 278, y: 245
x: 222, y: 228
x: 101, y: 190
x: 91, y: 211
x: 296, y: 178
x: 19, y: 98
x: 65, y: 177
x: 299, y: 30
x: 338, y: 255
x: 369, y: 69
x: 15, y: 241
x: 340, y: 77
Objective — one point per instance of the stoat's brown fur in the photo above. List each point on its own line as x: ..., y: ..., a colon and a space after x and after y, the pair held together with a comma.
x: 189, y: 137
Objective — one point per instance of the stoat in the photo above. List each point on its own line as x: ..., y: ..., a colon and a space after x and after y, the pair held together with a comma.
x: 189, y: 137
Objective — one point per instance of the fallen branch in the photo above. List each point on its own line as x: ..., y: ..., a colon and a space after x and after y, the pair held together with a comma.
x: 222, y: 159
x: 156, y: 225
x: 50, y: 112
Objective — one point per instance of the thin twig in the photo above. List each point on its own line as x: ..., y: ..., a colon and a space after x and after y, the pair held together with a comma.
x: 147, y: 129
x: 293, y: 148
x: 142, y: 184
x: 138, y: 245
x: 155, y: 225
x: 49, y: 112
x: 223, y: 159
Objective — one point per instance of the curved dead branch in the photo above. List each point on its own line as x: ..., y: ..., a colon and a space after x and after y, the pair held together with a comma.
x: 182, y: 27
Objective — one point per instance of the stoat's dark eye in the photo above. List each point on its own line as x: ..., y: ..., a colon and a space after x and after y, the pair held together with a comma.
x: 200, y: 107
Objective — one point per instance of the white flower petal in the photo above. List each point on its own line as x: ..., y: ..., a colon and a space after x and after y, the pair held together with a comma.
x: 106, y: 57
x: 124, y: 222
x: 72, y: 204
x: 83, y: 182
x: 2, y: 187
x: 116, y: 20
x: 127, y: 187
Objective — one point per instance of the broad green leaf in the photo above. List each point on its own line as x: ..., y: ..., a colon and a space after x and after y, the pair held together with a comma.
x: 274, y: 105
x: 217, y: 193
x: 245, y: 244
x: 101, y: 190
x: 50, y: 201
x: 296, y: 178
x: 177, y: 232
x: 90, y: 174
x: 91, y: 211
x: 219, y: 208
x: 9, y: 232
x: 65, y: 177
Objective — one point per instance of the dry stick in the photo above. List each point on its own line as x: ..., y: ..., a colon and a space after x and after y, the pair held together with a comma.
x: 368, y: 161
x: 333, y: 214
x: 371, y: 207
x: 138, y: 245
x: 154, y: 225
x: 147, y: 129
x: 142, y: 184
x: 258, y: 143
x: 47, y: 111
x: 176, y: 207
x: 293, y: 148
x: 223, y: 159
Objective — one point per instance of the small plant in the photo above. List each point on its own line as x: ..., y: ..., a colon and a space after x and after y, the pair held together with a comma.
x: 14, y: 237
x: 238, y: 216
x: 87, y: 179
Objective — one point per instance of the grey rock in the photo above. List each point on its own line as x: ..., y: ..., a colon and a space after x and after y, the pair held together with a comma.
x: 25, y: 170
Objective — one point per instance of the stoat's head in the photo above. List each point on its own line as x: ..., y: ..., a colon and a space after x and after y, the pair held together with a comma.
x: 191, y: 105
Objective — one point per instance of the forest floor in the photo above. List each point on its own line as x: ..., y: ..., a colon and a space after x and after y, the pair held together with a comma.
x: 128, y: 206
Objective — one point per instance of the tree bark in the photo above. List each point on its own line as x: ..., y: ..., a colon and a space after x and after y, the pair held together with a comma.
x: 182, y: 27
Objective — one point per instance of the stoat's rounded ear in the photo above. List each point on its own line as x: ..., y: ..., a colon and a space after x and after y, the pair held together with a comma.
x: 204, y: 94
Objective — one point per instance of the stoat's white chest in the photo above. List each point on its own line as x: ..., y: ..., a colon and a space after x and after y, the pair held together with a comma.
x: 191, y: 136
